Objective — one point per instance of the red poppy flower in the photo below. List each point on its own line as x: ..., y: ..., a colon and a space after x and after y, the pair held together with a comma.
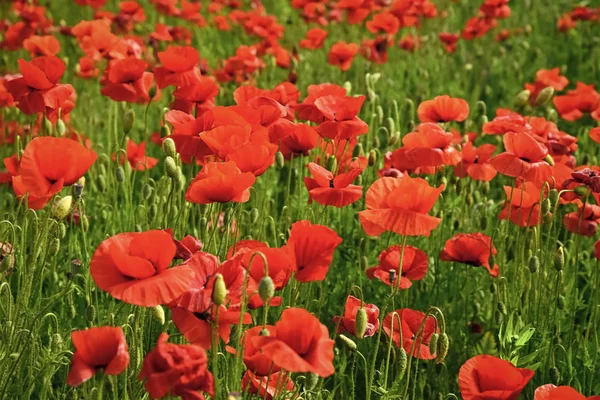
x: 401, y: 206
x: 136, y: 156
x: 583, y: 221
x: 177, y: 370
x: 299, y: 343
x: 443, y: 109
x: 495, y: 9
x: 414, y: 266
x: 134, y: 268
x: 199, y: 95
x: 430, y: 146
x: 522, y: 204
x: 161, y: 33
x: 375, y: 50
x: 384, y: 22
x: 506, y: 121
x: 546, y: 78
x: 340, y: 120
x: 42, y: 45
x: 583, y: 99
x: 38, y: 89
x: 552, y: 392
x: 86, y: 68
x: 475, y: 162
x: 413, y: 339
x: 178, y: 67
x: 487, y: 377
x: 268, y: 387
x: 347, y: 322
x: 342, y: 54
x: 409, y: 42
x: 477, y: 27
x: 102, y: 348
x: 128, y: 81
x: 356, y: 10
x: 315, y: 38
x: 220, y: 183
x: 472, y: 249
x: 48, y: 164
x: 313, y: 246
x: 523, y: 157
x: 308, y: 110
x: 328, y: 190
x: 595, y: 134
x: 449, y: 41
x: 301, y: 140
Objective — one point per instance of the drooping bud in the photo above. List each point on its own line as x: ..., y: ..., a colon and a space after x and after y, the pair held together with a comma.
x: 168, y: 147
x: 159, y: 314
x: 402, y: 361
x: 120, y: 174
x: 442, y: 348
x: 312, y: 380
x: 554, y: 375
x: 53, y: 247
x: 219, y: 293
x: 165, y: 131
x: 534, y: 264
x: 502, y: 308
x: 348, y: 86
x: 361, y: 322
x: 582, y: 191
x: 410, y: 108
x: 553, y: 196
x: 62, y: 208
x: 394, y: 138
x: 481, y: 108
x: 552, y: 115
x: 266, y: 289
x: 254, y: 214
x: 128, y: 120
x: 279, y: 159
x: 560, y: 302
x: 544, y: 96
x: 380, y: 114
x: 348, y: 342
x: 147, y: 191
x: 559, y: 259
x: 546, y: 206
x: 522, y: 98
x: 493, y: 287
x: 152, y: 91
x: 433, y: 342
x: 171, y: 168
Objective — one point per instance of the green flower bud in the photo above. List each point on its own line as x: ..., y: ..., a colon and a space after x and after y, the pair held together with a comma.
x: 552, y: 115
x: 312, y: 381
x: 502, y: 308
x: 54, y: 247
x: 410, y: 108
x: 60, y: 127
x: 402, y: 361
x: 90, y: 313
x: 582, y: 191
x: 376, y: 142
x: 480, y: 108
x: 442, y: 348
x: 559, y: 259
x: 62, y: 230
x: 152, y: 91
x: 391, y: 124
x: 546, y: 206
x: 120, y: 174
x: 364, y: 263
x: 165, y: 131
x: 331, y: 163
x: 147, y: 191
x: 279, y: 159
x: 433, y: 342
x: 534, y: 264
x: 152, y: 211
x: 266, y: 289
x: 47, y: 125
x: 8, y: 261
x: 553, y: 196
x: 560, y: 302
x: 159, y: 314
x: 219, y: 293
x: 483, y: 120
x: 522, y: 98
x: 380, y: 114
x: 254, y: 214
x: 361, y: 322
x: 372, y: 157
x: 544, y: 96
x: 358, y: 150
x: 264, y: 332
x: 168, y: 147
x: 348, y: 87
x: 128, y: 120
x: 412, y: 126
x: 554, y: 375
x: 394, y: 138
x: 348, y: 342
x: 62, y: 208
x: 171, y: 168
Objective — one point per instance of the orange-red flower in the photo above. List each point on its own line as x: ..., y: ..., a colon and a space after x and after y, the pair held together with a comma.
x: 401, y: 206
x: 313, y: 246
x: 42, y: 45
x: 553, y: 392
x: 178, y: 67
x: 220, y: 183
x: 347, y: 322
x: 128, y: 81
x: 134, y: 268
x: 300, y: 140
x: 595, y: 134
x: 177, y: 370
x: 330, y: 190
x: 583, y: 221
x: 414, y: 266
x: 103, y: 348
x: 267, y: 387
x: 308, y: 110
x: 506, y: 121
x: 524, y: 157
x: 475, y: 162
x: 342, y: 54
x: 315, y: 38
x: 522, y: 205
x: 449, y: 41
x: 384, y: 22
x: 443, y: 109
x: 414, y: 340
x: 546, y: 78
x: 472, y: 249
x: 136, y: 156
x: 340, y: 117
x: 486, y: 377
x: 582, y: 100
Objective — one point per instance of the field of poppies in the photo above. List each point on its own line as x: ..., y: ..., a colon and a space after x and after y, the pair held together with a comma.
x: 305, y: 199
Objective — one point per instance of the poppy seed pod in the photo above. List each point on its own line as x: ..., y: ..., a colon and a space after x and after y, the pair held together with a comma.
x: 433, y: 341
x: 534, y: 264
x: 168, y: 147
x: 159, y: 314
x: 171, y: 168
x: 266, y: 289
x: 442, y: 348
x: 279, y: 160
x: 90, y: 313
x: 62, y: 208
x: 60, y: 127
x: 128, y: 120
x: 522, y: 98
x: 361, y: 322
x: 348, y: 342
x: 544, y: 96
x: 219, y: 293
x: 120, y: 174
x: 559, y: 259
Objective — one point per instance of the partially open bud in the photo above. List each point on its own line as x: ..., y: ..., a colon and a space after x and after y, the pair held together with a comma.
x: 128, y: 120
x: 219, y: 293
x: 544, y: 96
x: 348, y: 342
x: 168, y: 147
x: 171, y: 168
x: 442, y: 348
x: 361, y: 322
x: 266, y: 289
x: 279, y: 160
x: 159, y: 314
x: 62, y: 208
x: 559, y: 259
x: 522, y: 98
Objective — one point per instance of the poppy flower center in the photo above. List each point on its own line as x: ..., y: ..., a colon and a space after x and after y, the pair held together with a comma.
x: 331, y: 183
x: 203, y: 316
x: 525, y: 159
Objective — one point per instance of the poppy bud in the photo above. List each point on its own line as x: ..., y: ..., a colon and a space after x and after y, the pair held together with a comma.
x: 47, y: 125
x: 483, y: 120
x: 554, y: 375
x: 559, y: 259
x: 14, y: 356
x: 8, y: 261
x: 348, y: 342
x: 433, y: 341
x: 171, y: 168
x: 522, y: 98
x: 481, y: 108
x: 266, y: 289
x: 380, y: 114
x: 62, y: 208
x: 54, y: 247
x: 312, y: 381
x: 138, y: 228
x: 159, y: 313
x: 442, y: 348
x: 582, y: 191
x: 90, y: 313
x: 147, y: 191
x: 371, y: 95
x: 56, y: 341
x: 120, y: 174
x: 544, y: 96
x: 469, y: 200
x: 553, y: 196
x: 376, y: 142
x: 552, y: 115
x: 502, y: 308
x: 348, y: 87
x: 203, y: 224
x: 128, y: 120
x: 254, y: 214
x: 484, y: 223
x: 164, y: 131
x: 62, y: 230
x: 394, y: 138
x: 364, y: 263
x: 168, y: 147
x: 391, y: 124
x: 547, y: 218
x: 372, y: 157
x: 85, y: 223
x: 152, y: 211
x: 560, y: 302
x: 492, y: 260
x: 549, y: 159
x: 60, y: 127
x: 279, y: 160
x: 534, y: 264
x: 152, y: 91
x: 359, y: 180
x: 331, y: 163
x: 402, y: 361
x: 361, y: 322
x: 358, y: 150
x: 412, y: 126
x: 546, y: 206
x: 219, y: 290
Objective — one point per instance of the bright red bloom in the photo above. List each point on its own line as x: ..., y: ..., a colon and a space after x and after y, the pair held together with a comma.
x: 486, y: 377
x: 582, y: 100
x: 414, y: 266
x: 102, y: 348
x: 384, y: 22
x: 340, y: 120
x: 477, y: 27
x: 136, y: 156
x: 313, y: 246
x: 308, y: 110
x: 583, y: 221
x: 128, y: 81
x: 220, y: 183
x: 472, y: 249
x: 328, y: 190
x: 375, y: 50
x: 495, y: 9
x: 267, y: 387
x: 86, y: 68
x: 475, y: 162
x: 409, y: 42
x: 301, y: 140
x: 42, y: 45
x: 177, y: 370
x: 178, y: 67
x: 134, y: 268
x: 524, y: 157
x: 506, y: 121
x: 523, y: 205
x: 315, y: 38
x: 161, y: 33
x: 443, y: 109
x: 342, y: 54
x: 552, y: 392
x: 347, y: 322
x: 401, y: 206
x: 597, y: 249
x: 546, y: 78
x: 413, y: 339
x: 595, y: 134
x: 449, y: 41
